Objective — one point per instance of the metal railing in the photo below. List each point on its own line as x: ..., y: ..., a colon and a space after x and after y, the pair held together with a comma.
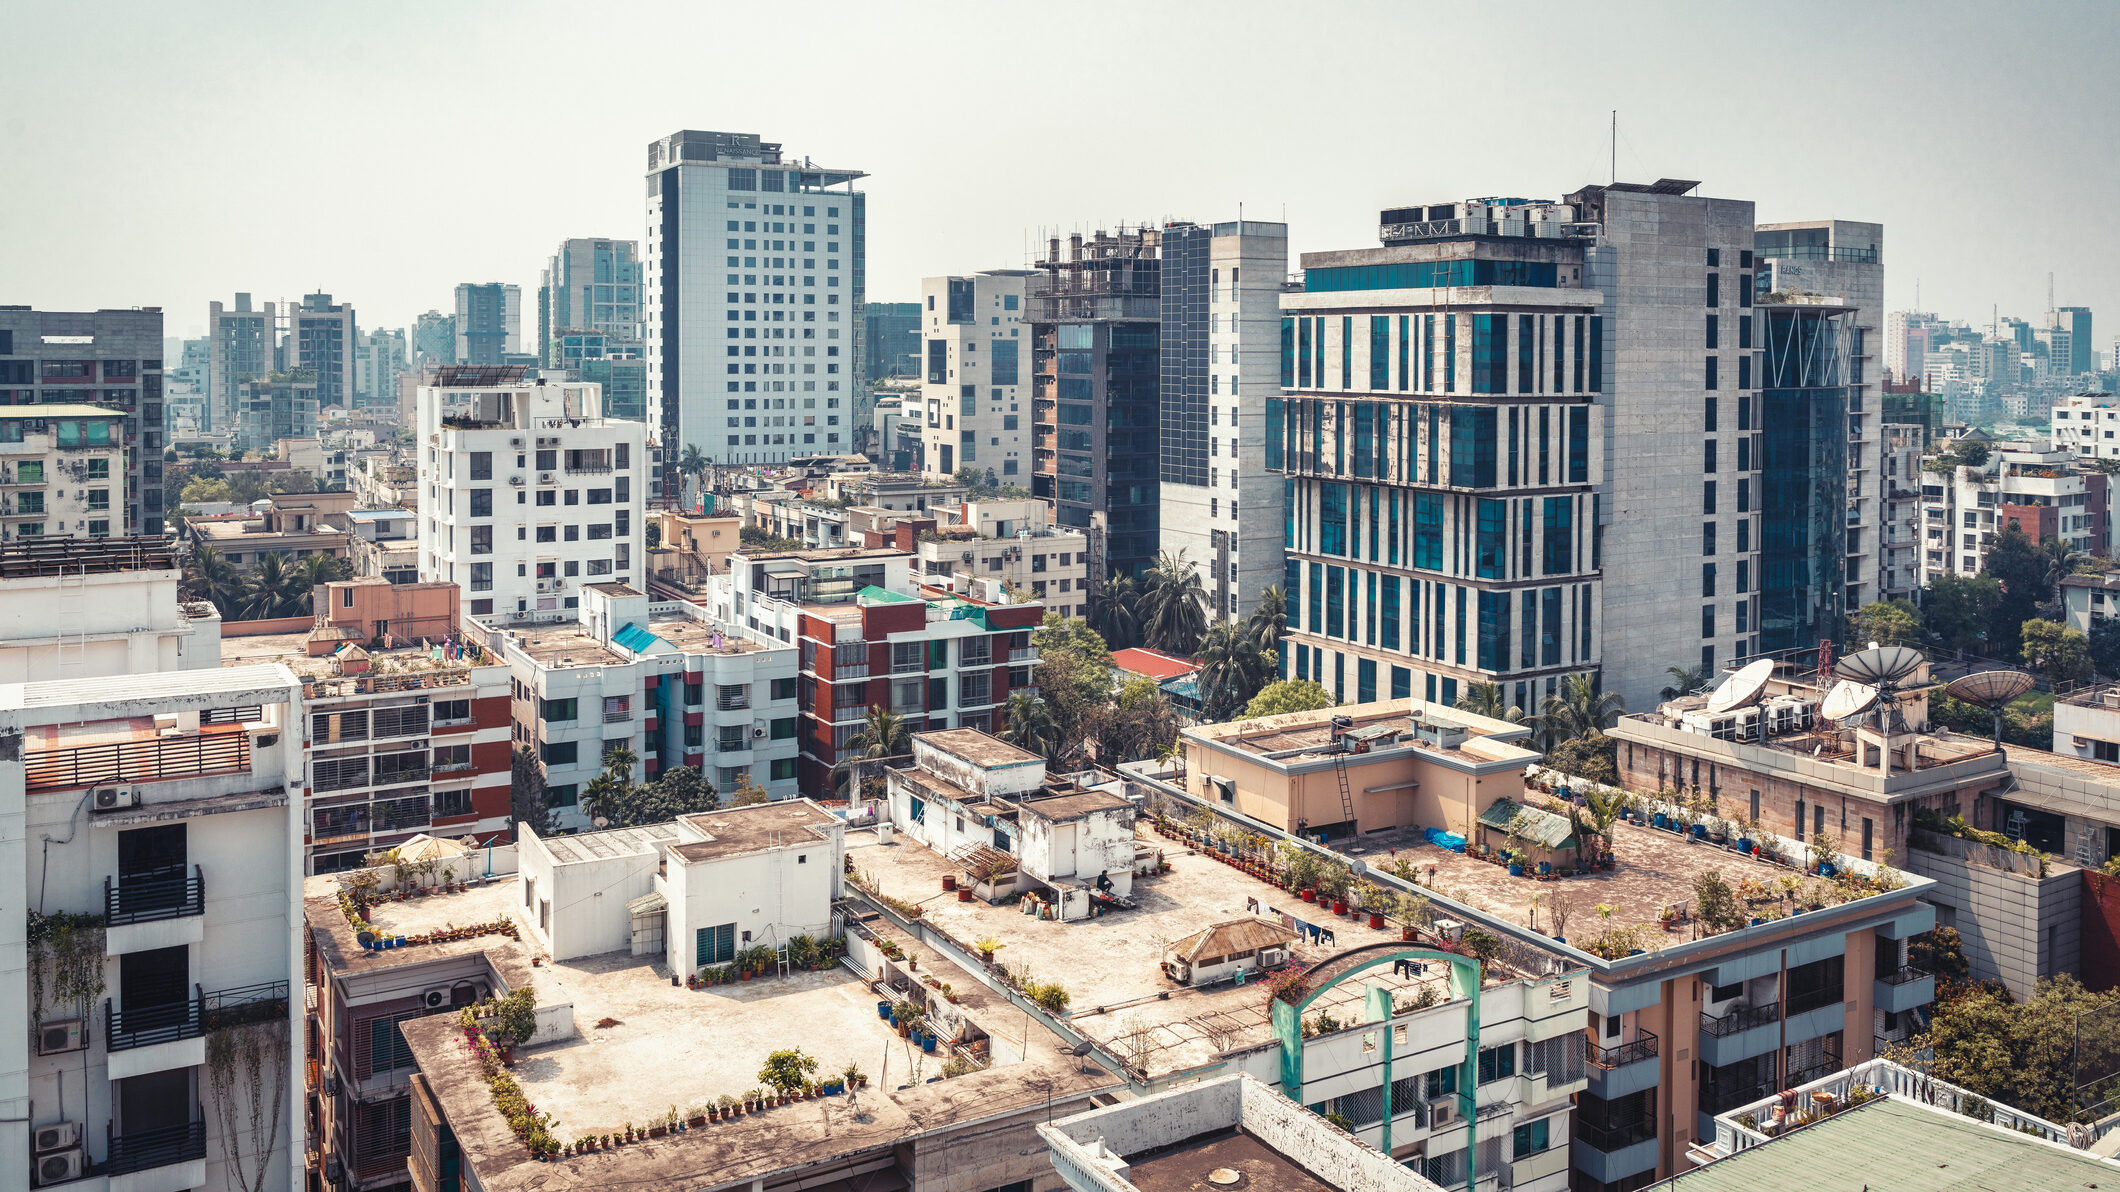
x: 732, y: 703
x: 1903, y: 975
x: 1025, y: 655
x: 1743, y: 1018
x: 618, y: 717
x: 1643, y: 1048
x: 124, y: 1029
x: 151, y: 897
x: 189, y: 756
x: 1804, y: 1003
x: 139, y: 1150
x: 909, y: 668
x: 1615, y: 1138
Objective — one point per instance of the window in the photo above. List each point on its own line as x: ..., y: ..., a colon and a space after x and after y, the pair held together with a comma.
x: 482, y: 465
x: 482, y: 502
x: 1497, y: 1063
x: 1531, y: 1138
x: 556, y: 709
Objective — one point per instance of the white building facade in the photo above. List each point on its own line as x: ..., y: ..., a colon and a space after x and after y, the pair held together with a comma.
x: 753, y: 283
x: 527, y: 492
x: 1220, y: 363
x: 976, y: 373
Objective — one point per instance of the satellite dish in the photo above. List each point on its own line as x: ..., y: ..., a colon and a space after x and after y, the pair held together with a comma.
x: 1848, y: 700
x: 1882, y: 667
x: 600, y: 822
x: 1357, y: 867
x: 1744, y: 688
x: 1990, y: 689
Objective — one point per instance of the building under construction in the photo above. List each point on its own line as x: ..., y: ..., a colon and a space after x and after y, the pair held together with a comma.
x: 1095, y: 320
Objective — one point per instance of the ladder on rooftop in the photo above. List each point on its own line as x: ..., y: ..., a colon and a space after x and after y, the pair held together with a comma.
x: 1339, y: 766
x: 70, y: 610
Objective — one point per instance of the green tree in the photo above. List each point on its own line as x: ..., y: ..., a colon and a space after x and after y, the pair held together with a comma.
x: 2105, y: 642
x: 1492, y: 701
x: 208, y: 575
x: 2027, y: 1055
x: 1685, y: 680
x: 1112, y: 611
x: 1074, y: 676
x: 692, y: 461
x: 526, y: 792
x: 1173, y: 605
x: 1886, y: 622
x: 1961, y: 608
x: 1269, y: 621
x: 320, y: 569
x: 273, y: 590
x: 883, y: 734
x: 1139, y: 725
x: 2026, y: 575
x: 1595, y: 757
x: 1027, y: 722
x: 1288, y: 695
x: 1580, y: 708
x: 1232, y: 670
x: 2060, y: 651
x: 787, y: 1070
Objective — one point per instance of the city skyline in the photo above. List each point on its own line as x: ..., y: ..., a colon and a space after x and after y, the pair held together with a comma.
x: 1900, y: 151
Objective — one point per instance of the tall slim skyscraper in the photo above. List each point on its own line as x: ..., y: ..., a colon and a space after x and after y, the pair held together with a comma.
x: 588, y: 285
x: 891, y: 339
x: 755, y: 279
x: 1843, y: 260
x: 321, y: 337
x: 488, y: 322
x: 379, y: 360
x: 2083, y: 354
x: 242, y: 345
x: 1220, y: 362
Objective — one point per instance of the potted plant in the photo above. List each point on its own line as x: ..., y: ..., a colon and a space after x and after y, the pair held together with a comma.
x: 853, y: 1076
x: 987, y: 946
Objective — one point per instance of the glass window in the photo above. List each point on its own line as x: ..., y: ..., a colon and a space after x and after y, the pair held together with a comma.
x: 1332, y: 519
x: 1559, y: 540
x: 1492, y: 540
x: 1428, y: 531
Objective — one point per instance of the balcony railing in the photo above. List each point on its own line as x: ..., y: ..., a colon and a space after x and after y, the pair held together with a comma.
x: 1615, y: 1138
x: 1803, y: 1003
x: 192, y: 755
x: 140, y: 1150
x: 619, y: 716
x: 1643, y: 1048
x: 1902, y: 975
x: 148, y: 898
x: 148, y: 1025
x: 1743, y: 1018
x: 849, y: 670
x: 1025, y: 655
x: 969, y: 659
x: 732, y: 703
x: 915, y: 667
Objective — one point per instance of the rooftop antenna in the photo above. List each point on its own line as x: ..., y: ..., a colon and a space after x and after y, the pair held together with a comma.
x: 1884, y: 668
x: 1615, y: 147
x: 1992, y: 690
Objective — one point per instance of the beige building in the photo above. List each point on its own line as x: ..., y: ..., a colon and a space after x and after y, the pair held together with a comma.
x: 974, y: 411
x: 691, y: 547
x: 60, y: 466
x: 293, y: 525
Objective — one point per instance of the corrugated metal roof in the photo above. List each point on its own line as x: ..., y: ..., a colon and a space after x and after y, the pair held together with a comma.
x: 1238, y: 937
x: 1552, y: 831
x: 635, y: 638
x: 1891, y: 1145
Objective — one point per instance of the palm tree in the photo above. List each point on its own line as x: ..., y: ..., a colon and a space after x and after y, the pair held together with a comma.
x: 1580, y: 709
x: 1112, y: 611
x: 2061, y: 560
x: 1232, y: 669
x: 1028, y: 723
x: 1270, y: 619
x: 883, y: 734
x: 692, y: 461
x: 1174, y: 606
x: 1685, y: 680
x: 208, y: 575
x: 268, y: 590
x: 1492, y: 701
x: 316, y: 571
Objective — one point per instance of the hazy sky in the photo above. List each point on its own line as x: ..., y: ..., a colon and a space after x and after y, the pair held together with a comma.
x: 170, y: 154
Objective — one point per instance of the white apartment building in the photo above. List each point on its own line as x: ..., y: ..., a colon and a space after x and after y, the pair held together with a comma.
x: 59, y: 468
x: 975, y: 388
x: 2087, y: 425
x: 73, y: 608
x: 1014, y: 542
x: 378, y: 362
x: 2040, y: 492
x: 1901, y: 448
x: 526, y: 491
x: 663, y: 679
x: 754, y: 282
x: 163, y: 901
x: 241, y: 346
x: 1220, y: 363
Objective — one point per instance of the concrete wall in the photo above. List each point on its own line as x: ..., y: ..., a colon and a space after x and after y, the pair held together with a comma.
x: 772, y: 897
x: 587, y: 899
x: 1423, y: 790
x: 2017, y: 926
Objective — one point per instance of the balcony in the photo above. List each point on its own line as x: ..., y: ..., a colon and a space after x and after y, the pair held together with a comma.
x: 732, y: 703
x: 916, y: 667
x: 1609, y: 1153
x: 152, y: 897
x: 851, y: 670
x: 142, y: 1150
x: 192, y: 755
x: 1023, y: 656
x: 1904, y: 988
x: 618, y: 716
x: 149, y: 1025
x: 1623, y: 1068
x: 1744, y: 1032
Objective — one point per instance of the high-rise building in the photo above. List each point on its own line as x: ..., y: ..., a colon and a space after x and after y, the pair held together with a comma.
x: 488, y: 322
x: 612, y: 362
x: 378, y: 362
x: 433, y: 341
x: 977, y: 378
x: 891, y: 339
x: 321, y: 337
x: 1442, y: 441
x: 755, y: 279
x: 109, y: 358
x: 1908, y: 423
x: 242, y: 345
x: 1842, y: 260
x: 588, y: 285
x: 1095, y: 365
x: 527, y: 491
x: 1221, y: 324
x: 281, y: 405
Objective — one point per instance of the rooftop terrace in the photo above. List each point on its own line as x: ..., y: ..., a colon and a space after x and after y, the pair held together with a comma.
x: 1406, y: 723
x: 1112, y: 964
x: 403, y: 667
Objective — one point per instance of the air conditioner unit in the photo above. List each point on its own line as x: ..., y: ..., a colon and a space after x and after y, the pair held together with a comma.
x: 112, y: 798
x: 57, y: 1038
x: 545, y: 478
x: 56, y: 1137
x: 1450, y: 930
x: 1442, y: 1110
x: 334, y: 1170
x: 516, y: 441
x: 758, y: 730
x: 436, y: 998
x: 59, y: 1167
x: 331, y: 1084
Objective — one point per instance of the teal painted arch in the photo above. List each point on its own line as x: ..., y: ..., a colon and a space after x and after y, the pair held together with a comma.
x: 1464, y: 982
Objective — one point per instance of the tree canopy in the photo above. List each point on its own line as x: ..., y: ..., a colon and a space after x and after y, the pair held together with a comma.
x: 1886, y: 622
x: 2061, y: 652
x: 1960, y: 609
x: 2027, y: 1055
x: 1288, y: 695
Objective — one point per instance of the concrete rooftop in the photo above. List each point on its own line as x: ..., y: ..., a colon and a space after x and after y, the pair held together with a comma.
x: 1111, y: 965
x: 293, y: 649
